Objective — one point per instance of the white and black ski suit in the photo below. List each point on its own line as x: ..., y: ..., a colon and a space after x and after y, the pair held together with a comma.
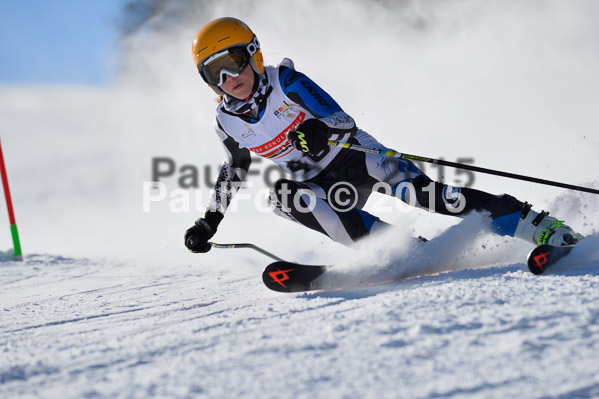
x: 326, y: 192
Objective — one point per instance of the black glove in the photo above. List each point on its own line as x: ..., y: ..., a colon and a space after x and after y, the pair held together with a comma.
x: 311, y: 136
x: 197, y: 236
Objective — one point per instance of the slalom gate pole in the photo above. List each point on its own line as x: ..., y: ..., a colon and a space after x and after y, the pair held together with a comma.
x: 11, y: 214
x: 251, y: 246
x: 394, y: 154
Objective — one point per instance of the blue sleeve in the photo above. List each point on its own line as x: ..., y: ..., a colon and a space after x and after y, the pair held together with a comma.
x: 302, y: 90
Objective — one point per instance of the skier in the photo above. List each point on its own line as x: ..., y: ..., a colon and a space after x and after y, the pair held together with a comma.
x: 282, y: 115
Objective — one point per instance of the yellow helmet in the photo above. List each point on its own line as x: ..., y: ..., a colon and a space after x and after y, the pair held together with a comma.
x: 225, y: 46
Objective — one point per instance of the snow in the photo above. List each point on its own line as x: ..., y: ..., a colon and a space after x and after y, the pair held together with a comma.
x: 84, y: 328
x: 108, y: 303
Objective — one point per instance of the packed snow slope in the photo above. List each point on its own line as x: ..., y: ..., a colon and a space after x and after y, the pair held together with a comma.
x: 108, y: 303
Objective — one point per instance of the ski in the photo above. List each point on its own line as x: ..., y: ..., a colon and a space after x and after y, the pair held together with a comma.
x: 545, y: 255
x: 286, y: 276
x: 283, y: 276
x: 294, y: 277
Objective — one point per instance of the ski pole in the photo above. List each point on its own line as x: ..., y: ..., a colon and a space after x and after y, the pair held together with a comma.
x: 11, y: 214
x: 395, y: 154
x: 251, y: 246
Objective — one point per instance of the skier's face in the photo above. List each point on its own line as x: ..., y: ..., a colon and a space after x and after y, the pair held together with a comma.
x: 239, y: 86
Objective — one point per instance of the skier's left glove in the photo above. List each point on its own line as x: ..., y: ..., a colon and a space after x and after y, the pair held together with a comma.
x: 197, y: 236
x: 311, y: 136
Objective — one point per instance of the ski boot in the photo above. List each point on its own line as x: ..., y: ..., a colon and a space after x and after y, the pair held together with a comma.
x: 539, y: 228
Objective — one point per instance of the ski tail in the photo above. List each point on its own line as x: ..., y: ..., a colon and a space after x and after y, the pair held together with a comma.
x: 544, y: 256
x: 285, y: 276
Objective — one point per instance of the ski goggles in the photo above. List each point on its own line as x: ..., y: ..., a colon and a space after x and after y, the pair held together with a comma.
x: 231, y: 62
